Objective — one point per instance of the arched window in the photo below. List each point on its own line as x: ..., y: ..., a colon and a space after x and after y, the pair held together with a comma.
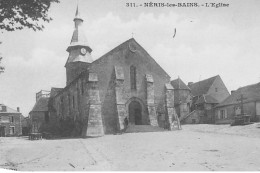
x: 133, y: 77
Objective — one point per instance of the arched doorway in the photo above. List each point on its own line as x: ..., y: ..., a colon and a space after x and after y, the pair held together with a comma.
x: 135, y: 113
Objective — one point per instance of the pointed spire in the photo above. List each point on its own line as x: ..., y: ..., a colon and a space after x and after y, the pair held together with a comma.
x: 77, y: 11
x: 78, y: 37
x: 79, y: 41
x: 77, y: 15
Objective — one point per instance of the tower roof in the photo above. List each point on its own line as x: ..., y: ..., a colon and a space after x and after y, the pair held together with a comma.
x: 78, y: 38
x: 79, y: 41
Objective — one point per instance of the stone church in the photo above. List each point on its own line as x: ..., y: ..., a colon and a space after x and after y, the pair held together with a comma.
x: 125, y: 82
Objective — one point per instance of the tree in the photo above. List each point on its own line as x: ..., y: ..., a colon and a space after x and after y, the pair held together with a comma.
x: 1, y: 67
x: 20, y: 14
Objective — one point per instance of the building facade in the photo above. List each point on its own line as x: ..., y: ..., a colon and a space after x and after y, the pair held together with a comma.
x: 100, y: 94
x: 232, y: 106
x: 10, y: 121
x: 206, y: 95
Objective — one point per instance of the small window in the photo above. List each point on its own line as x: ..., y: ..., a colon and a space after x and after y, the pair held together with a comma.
x: 11, y: 130
x: 222, y: 114
x: 193, y: 121
x: 216, y: 89
x: 12, y: 119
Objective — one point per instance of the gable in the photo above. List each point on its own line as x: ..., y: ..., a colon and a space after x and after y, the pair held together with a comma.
x: 202, y: 87
x: 130, y: 52
x: 218, y: 90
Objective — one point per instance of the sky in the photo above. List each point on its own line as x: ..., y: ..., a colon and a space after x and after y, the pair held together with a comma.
x: 209, y: 41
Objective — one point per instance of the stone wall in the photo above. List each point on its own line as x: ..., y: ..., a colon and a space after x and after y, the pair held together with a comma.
x: 95, y: 122
x: 74, y: 69
x: 124, y: 58
x: 172, y: 120
x: 79, y: 103
x: 121, y: 112
x: 153, y: 120
x: 112, y: 87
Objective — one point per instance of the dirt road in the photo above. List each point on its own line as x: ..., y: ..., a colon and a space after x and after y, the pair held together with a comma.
x: 195, y: 148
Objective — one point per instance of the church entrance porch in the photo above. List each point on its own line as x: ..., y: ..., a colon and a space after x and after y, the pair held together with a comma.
x: 135, y: 113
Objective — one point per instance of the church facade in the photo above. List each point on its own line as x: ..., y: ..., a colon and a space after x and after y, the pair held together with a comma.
x: 100, y: 94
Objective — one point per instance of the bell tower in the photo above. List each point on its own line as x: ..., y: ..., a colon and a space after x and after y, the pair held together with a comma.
x: 79, y: 51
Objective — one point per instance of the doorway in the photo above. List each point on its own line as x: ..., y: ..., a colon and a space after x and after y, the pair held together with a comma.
x: 2, y: 131
x: 135, y: 113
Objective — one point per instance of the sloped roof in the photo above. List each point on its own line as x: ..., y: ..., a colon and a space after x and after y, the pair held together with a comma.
x: 9, y: 110
x: 78, y: 37
x: 41, y: 105
x: 179, y: 84
x: 202, y: 87
x: 206, y: 99
x: 78, y: 40
x: 250, y: 93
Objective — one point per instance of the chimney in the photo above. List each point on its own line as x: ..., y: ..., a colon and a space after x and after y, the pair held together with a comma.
x: 189, y: 84
x: 3, y: 108
x: 18, y: 109
x: 232, y: 92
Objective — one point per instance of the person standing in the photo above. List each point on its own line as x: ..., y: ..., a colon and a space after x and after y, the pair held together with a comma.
x: 125, y: 123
